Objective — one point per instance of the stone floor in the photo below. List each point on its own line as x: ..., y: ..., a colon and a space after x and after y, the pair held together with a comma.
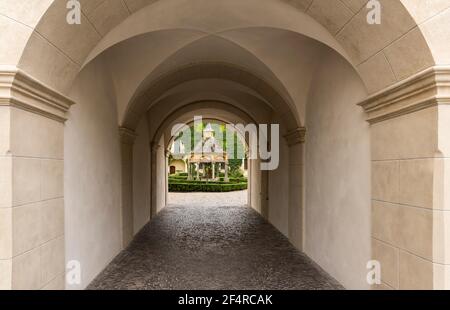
x: 219, y: 246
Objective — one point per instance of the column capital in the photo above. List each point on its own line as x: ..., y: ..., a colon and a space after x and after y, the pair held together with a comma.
x: 20, y: 90
x: 154, y: 147
x: 127, y: 136
x: 425, y: 89
x: 296, y: 136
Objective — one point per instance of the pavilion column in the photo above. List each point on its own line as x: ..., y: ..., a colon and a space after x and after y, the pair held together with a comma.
x: 127, y: 138
x: 410, y: 125
x: 32, y: 116
x: 295, y: 140
x: 198, y: 171
x: 213, y: 170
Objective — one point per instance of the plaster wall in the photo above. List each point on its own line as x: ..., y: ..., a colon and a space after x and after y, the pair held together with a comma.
x: 338, y: 175
x: 255, y: 187
x: 278, y: 186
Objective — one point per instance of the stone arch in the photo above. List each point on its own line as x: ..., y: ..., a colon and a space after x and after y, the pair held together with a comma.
x: 221, y: 111
x: 211, y: 71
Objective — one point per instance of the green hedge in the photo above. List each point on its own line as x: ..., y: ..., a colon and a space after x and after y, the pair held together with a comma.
x: 171, y: 177
x: 235, y: 180
x: 194, y: 182
x: 206, y: 187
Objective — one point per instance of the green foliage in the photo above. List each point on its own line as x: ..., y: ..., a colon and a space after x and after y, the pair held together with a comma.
x: 177, y: 178
x: 235, y: 168
x: 235, y: 180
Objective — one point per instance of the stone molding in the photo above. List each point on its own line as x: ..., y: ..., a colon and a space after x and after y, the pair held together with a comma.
x: 425, y: 89
x: 127, y: 136
x: 296, y: 136
x: 19, y: 90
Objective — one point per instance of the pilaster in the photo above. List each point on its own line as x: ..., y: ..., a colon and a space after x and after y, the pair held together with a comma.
x: 32, y: 117
x: 410, y: 207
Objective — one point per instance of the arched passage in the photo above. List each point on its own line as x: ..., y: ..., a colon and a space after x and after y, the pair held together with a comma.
x: 132, y: 58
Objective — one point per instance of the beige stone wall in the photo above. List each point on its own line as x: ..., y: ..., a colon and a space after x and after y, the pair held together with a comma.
x: 32, y: 238
x: 31, y: 183
x: 337, y: 175
x: 279, y: 190
x: 159, y: 176
x: 296, y: 206
x: 127, y: 138
x: 408, y: 213
x: 409, y: 136
x: 141, y: 177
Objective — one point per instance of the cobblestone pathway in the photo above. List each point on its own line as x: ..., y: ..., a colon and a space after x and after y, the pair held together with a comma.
x: 211, y: 247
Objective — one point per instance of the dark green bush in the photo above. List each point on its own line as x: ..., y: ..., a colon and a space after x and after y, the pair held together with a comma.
x: 221, y: 181
x: 177, y: 178
x: 206, y: 187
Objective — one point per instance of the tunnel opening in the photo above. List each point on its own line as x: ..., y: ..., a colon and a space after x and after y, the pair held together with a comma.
x: 207, y: 164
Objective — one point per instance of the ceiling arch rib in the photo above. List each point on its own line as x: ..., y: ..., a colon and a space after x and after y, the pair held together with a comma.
x: 210, y: 50
x: 208, y: 91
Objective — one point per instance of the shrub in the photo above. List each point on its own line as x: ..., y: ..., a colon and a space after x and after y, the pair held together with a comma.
x: 172, y: 177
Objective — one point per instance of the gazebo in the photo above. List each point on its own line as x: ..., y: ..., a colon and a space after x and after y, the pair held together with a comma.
x: 206, y: 154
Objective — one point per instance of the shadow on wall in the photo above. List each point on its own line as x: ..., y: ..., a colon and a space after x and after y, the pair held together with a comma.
x: 337, y: 173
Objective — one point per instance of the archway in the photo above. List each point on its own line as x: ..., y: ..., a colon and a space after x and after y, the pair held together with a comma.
x: 212, y: 160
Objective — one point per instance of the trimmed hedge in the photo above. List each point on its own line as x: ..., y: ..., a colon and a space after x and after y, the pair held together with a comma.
x: 184, y: 180
x: 235, y: 180
x: 195, y: 182
x: 171, y: 177
x: 206, y: 187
